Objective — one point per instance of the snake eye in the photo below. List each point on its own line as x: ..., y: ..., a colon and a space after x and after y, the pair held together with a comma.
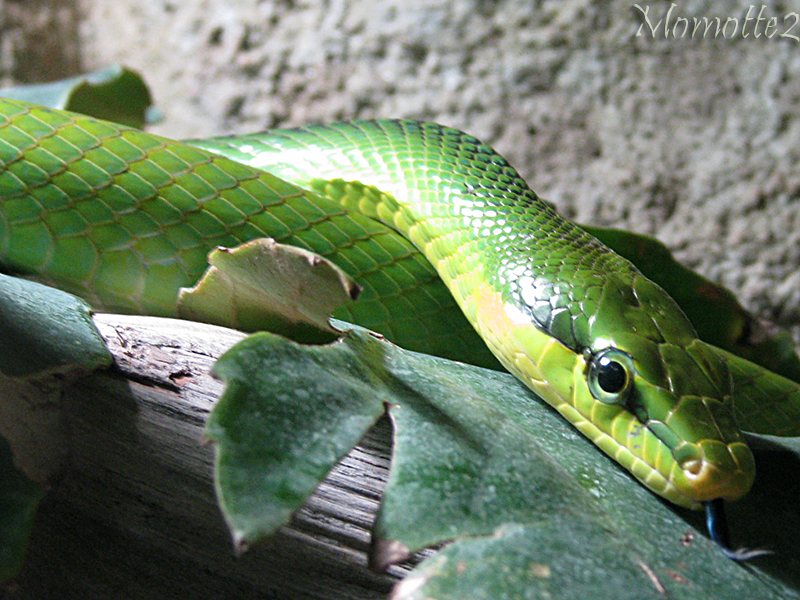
x: 610, y: 376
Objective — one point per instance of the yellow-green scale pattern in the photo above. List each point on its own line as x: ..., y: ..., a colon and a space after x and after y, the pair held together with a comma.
x: 459, y: 201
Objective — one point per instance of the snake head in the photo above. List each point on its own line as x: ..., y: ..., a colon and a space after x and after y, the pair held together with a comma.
x: 637, y: 382
x: 672, y: 394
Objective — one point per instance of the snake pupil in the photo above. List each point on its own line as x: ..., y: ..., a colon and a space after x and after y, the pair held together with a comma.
x: 611, y: 376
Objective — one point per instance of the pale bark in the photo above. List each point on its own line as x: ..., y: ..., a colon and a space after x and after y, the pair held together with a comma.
x: 131, y: 511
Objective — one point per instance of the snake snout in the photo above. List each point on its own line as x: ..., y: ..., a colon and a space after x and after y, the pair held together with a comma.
x: 714, y: 469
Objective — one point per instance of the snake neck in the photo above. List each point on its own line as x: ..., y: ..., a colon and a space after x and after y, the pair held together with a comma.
x: 461, y: 204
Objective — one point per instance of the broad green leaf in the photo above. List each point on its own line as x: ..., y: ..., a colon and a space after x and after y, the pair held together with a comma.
x: 563, y: 557
x: 288, y: 414
x: 44, y: 330
x: 713, y: 309
x: 621, y: 539
x: 569, y: 557
x: 114, y: 93
x: 461, y: 465
x: 482, y: 461
x: 19, y: 498
x: 263, y: 285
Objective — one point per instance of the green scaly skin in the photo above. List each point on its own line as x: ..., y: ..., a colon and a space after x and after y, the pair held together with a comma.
x: 125, y: 219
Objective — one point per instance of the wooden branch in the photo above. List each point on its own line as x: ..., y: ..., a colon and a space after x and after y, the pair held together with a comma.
x: 131, y: 511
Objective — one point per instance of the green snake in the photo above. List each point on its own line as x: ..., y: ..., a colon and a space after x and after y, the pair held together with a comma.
x: 126, y: 219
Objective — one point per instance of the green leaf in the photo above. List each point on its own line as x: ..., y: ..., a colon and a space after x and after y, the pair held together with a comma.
x: 532, y: 506
x: 19, y: 498
x: 288, y: 414
x: 461, y: 465
x: 263, y: 285
x: 564, y: 557
x: 114, y: 93
x: 44, y: 330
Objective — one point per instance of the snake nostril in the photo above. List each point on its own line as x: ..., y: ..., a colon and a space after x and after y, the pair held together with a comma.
x: 693, y: 466
x: 717, y: 470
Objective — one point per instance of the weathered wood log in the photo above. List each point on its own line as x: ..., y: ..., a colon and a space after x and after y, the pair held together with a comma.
x: 130, y: 512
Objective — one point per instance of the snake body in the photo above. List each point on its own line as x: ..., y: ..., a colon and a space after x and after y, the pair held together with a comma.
x: 125, y: 219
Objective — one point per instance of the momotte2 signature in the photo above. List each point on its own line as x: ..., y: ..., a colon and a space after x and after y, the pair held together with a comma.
x: 754, y: 24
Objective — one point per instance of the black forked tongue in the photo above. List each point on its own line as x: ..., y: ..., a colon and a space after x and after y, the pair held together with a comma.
x: 717, y: 526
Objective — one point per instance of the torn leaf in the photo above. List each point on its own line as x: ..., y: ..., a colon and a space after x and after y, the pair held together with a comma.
x: 288, y: 414
x: 265, y: 286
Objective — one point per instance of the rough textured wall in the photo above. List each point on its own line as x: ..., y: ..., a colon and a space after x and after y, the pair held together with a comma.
x: 688, y: 137
x: 38, y: 40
